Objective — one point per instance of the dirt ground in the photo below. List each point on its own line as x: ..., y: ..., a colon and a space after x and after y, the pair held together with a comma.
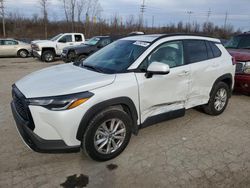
x: 194, y: 151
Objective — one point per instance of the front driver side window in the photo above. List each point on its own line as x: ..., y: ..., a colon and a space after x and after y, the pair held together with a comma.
x: 170, y: 53
x: 66, y: 38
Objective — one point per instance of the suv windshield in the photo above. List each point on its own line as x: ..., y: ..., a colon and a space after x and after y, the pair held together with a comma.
x: 92, y: 41
x: 116, y: 57
x: 240, y: 42
x: 56, y: 37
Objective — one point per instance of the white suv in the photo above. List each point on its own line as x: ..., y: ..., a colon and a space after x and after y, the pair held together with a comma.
x: 132, y: 83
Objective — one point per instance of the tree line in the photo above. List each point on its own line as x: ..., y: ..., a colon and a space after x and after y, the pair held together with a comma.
x: 84, y: 16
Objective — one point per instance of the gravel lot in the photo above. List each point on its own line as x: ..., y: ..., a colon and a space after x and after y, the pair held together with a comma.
x: 194, y: 151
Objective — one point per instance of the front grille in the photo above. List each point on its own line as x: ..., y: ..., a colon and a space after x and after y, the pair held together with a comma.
x: 239, y: 67
x: 22, y: 107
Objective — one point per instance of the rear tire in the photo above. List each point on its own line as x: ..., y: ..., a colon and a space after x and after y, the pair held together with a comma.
x: 23, y: 53
x: 48, y: 56
x: 218, y: 100
x: 107, y: 134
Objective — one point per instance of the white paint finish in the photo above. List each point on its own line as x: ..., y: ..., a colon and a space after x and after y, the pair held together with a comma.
x: 163, y: 89
x: 58, y: 46
x: 61, y: 80
x: 184, y: 87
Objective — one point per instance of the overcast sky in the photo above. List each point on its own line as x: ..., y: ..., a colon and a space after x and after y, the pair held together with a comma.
x: 164, y: 11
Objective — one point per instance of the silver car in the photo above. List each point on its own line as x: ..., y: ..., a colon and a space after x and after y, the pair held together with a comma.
x: 12, y: 47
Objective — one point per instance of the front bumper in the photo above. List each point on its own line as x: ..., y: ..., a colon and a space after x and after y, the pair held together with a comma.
x: 35, y: 142
x: 242, y: 83
x: 35, y: 53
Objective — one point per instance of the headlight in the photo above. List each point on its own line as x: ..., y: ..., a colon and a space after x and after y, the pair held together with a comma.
x: 247, y: 67
x: 63, y: 102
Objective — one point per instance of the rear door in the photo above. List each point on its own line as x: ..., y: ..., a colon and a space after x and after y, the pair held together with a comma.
x: 204, y: 68
x: 78, y: 39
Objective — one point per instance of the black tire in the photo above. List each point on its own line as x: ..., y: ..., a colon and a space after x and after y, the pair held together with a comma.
x: 48, y: 56
x: 81, y: 58
x: 88, y: 143
x: 23, y: 53
x: 210, y: 107
x: 71, y: 56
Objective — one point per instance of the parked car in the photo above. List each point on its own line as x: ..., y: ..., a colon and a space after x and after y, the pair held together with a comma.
x: 80, y: 52
x: 239, y: 48
x: 130, y: 84
x: 12, y: 47
x: 47, y: 50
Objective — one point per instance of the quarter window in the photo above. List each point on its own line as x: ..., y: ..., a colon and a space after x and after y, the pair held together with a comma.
x: 196, y: 50
x: 215, y: 49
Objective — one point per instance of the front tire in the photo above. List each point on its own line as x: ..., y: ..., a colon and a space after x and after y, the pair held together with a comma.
x: 48, y: 56
x: 23, y: 53
x: 218, y: 100
x: 108, y: 134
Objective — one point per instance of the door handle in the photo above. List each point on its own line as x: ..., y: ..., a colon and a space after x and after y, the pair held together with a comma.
x: 184, y: 73
x: 71, y: 44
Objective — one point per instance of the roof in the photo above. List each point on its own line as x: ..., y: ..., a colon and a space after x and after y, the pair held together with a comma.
x: 155, y: 37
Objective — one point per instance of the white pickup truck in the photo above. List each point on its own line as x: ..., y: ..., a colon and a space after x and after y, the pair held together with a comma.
x: 47, y: 50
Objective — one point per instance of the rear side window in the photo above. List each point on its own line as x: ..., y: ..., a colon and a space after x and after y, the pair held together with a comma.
x: 245, y: 42
x: 78, y: 38
x: 196, y: 50
x: 215, y: 49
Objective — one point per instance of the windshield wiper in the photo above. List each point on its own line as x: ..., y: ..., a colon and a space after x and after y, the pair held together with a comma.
x: 92, y: 68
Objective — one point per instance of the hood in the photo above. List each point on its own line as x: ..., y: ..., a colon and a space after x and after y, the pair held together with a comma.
x: 62, y: 80
x: 240, y: 54
x: 39, y: 41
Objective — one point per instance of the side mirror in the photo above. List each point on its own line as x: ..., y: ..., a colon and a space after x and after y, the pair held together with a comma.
x: 157, y: 68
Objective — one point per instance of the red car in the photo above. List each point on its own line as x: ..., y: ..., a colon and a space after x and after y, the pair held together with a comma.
x: 239, y: 48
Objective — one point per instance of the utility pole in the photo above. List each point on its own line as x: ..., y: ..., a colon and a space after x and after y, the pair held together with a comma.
x: 142, y: 10
x: 225, y: 23
x: 208, y: 14
x: 189, y: 15
x: 3, y: 17
x: 153, y: 21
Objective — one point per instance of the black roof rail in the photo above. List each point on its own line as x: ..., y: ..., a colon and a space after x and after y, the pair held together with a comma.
x: 179, y: 34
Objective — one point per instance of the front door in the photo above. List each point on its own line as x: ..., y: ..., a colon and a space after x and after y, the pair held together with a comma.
x: 164, y: 93
x: 63, y: 42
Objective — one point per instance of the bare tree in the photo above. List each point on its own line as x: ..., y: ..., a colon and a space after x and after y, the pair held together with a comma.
x: 44, y: 7
x: 81, y: 6
x: 65, y: 7
x: 3, y: 16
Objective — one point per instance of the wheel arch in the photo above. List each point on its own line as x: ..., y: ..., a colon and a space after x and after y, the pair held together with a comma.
x: 18, y: 51
x: 127, y: 105
x: 226, y: 78
x: 48, y: 49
